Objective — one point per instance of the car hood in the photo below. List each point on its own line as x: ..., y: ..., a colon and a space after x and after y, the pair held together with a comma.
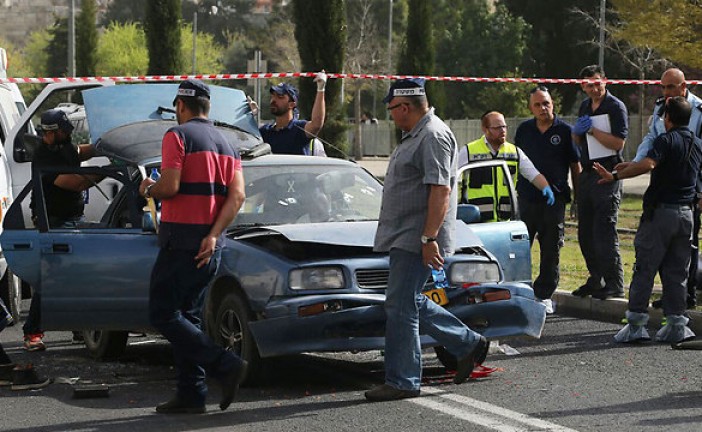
x: 354, y: 234
x: 128, y: 121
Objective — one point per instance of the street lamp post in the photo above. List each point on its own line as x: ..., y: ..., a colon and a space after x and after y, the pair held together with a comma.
x: 602, y: 33
x: 387, y: 113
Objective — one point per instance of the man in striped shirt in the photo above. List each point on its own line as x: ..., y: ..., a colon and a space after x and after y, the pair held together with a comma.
x: 201, y: 189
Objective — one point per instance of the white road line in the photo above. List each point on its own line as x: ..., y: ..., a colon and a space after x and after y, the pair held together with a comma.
x: 494, y: 421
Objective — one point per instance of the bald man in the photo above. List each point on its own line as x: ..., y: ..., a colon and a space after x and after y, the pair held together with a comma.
x: 673, y: 85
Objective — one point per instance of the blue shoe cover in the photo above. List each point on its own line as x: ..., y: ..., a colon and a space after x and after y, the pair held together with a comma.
x: 675, y: 330
x: 635, y: 330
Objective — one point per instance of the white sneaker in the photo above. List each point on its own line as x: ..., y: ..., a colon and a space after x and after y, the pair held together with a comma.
x: 550, y: 307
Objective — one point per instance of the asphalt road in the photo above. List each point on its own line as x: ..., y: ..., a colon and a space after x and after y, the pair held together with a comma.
x: 573, y: 378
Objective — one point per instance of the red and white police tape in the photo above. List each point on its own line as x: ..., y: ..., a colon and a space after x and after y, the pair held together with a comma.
x: 162, y: 78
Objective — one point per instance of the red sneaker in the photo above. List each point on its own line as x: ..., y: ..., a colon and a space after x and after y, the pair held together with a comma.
x: 34, y: 342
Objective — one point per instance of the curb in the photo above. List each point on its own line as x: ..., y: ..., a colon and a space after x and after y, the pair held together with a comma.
x: 611, y: 310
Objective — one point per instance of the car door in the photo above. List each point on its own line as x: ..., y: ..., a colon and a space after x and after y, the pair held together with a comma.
x: 93, y: 275
x: 507, y: 240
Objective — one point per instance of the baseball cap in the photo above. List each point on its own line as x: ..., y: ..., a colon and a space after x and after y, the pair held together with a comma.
x: 55, y: 119
x: 406, y: 88
x: 285, y: 89
x: 192, y: 88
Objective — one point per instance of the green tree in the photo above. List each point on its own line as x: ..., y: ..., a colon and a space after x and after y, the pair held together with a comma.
x: 86, y: 39
x: 320, y: 31
x: 36, y: 52
x: 209, y: 54
x: 122, y: 51
x: 163, y: 36
x: 57, y: 48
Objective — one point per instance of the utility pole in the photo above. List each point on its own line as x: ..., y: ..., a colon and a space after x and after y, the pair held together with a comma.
x: 72, y: 39
x: 602, y: 33
x: 194, y: 42
x: 387, y: 113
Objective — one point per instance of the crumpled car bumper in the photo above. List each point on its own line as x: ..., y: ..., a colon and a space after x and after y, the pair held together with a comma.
x: 356, y: 322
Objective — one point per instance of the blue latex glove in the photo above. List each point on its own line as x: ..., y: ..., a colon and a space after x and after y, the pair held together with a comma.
x: 548, y: 194
x: 582, y: 125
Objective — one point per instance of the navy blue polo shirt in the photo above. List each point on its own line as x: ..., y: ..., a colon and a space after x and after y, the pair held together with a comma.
x: 674, y: 178
x: 291, y: 139
x: 618, y: 121
x: 552, y: 152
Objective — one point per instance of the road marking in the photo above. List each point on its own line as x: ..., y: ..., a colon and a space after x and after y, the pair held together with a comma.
x: 498, y: 418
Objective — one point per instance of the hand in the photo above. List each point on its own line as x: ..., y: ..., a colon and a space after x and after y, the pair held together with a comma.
x: 607, y: 176
x: 582, y: 125
x: 144, y: 183
x: 253, y: 106
x: 321, y: 80
x: 548, y: 194
x: 621, y: 165
x: 431, y: 255
x: 207, y: 248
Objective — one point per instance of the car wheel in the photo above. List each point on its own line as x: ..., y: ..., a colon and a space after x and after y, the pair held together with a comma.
x: 11, y: 291
x: 447, y: 359
x: 231, y: 330
x: 105, y: 345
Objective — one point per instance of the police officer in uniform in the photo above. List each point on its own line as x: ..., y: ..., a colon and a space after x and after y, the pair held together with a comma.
x: 662, y: 241
x: 598, y: 204
x: 547, y: 142
x: 673, y: 84
x: 478, y: 187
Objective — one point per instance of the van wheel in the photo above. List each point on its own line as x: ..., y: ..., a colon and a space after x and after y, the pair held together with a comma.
x: 11, y: 292
x: 105, y: 345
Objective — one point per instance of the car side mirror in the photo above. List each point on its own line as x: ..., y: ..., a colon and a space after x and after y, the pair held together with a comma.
x: 468, y: 213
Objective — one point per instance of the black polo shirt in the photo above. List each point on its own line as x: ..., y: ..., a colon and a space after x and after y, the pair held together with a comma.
x: 552, y: 152
x: 60, y: 203
x: 678, y: 156
x: 618, y: 120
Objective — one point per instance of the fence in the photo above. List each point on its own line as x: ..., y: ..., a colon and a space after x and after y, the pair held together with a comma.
x: 379, y: 139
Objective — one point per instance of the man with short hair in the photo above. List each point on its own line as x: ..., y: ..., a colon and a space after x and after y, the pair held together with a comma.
x: 598, y: 204
x: 672, y: 85
x: 201, y: 189
x: 486, y: 187
x: 416, y: 228
x: 546, y: 140
x: 288, y: 134
x: 662, y: 241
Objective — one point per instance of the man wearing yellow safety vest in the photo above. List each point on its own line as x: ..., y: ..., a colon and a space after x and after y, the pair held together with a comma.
x: 487, y: 187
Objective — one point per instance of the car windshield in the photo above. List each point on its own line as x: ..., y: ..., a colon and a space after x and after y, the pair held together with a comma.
x: 298, y: 194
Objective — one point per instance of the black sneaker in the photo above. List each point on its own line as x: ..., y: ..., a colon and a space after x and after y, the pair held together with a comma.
x: 6, y: 374
x: 24, y: 377
x: 606, y: 293
x: 387, y: 392
x: 78, y: 338
x: 177, y: 406
x: 466, y: 364
x: 583, y: 291
x: 231, y: 383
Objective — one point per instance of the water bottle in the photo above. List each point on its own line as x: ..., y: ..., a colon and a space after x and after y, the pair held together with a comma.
x: 439, y: 278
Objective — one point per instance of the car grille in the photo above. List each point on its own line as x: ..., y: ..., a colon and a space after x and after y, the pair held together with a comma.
x: 372, y: 279
x: 378, y: 279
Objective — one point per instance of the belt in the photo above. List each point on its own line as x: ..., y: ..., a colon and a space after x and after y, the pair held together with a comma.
x: 673, y: 206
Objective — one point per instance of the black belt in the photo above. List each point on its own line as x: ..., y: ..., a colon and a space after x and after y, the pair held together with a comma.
x: 673, y: 206
x: 607, y: 162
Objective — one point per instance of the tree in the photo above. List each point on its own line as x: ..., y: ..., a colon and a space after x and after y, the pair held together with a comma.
x: 122, y: 51
x: 162, y: 26
x: 671, y: 27
x: 209, y: 54
x: 86, y: 39
x: 124, y: 11
x: 57, y: 48
x: 320, y: 31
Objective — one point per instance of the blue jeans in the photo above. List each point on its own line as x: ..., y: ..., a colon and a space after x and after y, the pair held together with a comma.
x: 407, y: 309
x: 175, y: 306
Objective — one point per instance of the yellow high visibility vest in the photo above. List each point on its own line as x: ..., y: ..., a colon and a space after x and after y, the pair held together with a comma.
x: 487, y: 187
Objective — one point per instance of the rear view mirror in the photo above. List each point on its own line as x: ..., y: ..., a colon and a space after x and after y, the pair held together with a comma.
x: 24, y: 149
x: 468, y: 213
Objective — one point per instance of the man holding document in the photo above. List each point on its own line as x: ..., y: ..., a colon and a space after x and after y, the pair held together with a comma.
x: 600, y: 132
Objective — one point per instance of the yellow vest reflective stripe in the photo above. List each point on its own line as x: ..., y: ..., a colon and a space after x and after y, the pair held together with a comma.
x: 487, y: 187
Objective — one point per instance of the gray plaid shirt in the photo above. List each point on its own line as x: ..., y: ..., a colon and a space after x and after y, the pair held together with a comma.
x: 427, y: 155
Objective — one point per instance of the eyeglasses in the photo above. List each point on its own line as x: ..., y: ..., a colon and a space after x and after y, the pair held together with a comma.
x: 503, y: 127
x: 390, y: 108
x: 669, y: 86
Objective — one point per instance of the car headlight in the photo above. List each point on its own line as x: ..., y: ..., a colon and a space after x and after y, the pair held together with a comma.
x: 317, y: 278
x: 474, y: 272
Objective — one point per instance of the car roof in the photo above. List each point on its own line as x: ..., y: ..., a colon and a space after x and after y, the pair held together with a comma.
x: 287, y: 160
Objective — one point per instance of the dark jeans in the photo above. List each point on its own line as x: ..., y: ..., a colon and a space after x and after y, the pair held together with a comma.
x: 175, y: 306
x: 692, y: 281
x: 4, y: 320
x: 549, y: 223
x: 32, y: 324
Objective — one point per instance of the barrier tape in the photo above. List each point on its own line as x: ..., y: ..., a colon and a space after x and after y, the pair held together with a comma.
x: 161, y: 78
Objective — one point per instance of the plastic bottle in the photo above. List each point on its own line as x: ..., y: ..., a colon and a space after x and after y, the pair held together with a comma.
x: 439, y: 278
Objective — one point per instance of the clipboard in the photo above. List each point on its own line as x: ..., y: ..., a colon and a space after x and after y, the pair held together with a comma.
x: 595, y: 149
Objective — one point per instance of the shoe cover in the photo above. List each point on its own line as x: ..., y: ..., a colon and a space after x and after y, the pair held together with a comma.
x: 675, y: 330
x: 635, y: 330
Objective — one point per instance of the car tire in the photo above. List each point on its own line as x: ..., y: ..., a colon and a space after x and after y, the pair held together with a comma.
x: 11, y: 291
x: 231, y: 330
x: 447, y: 359
x: 105, y: 345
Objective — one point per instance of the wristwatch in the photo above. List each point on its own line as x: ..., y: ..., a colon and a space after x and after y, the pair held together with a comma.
x: 615, y: 174
x: 426, y: 239
x: 147, y: 190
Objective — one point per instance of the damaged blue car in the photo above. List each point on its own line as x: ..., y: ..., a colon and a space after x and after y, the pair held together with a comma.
x: 298, y: 271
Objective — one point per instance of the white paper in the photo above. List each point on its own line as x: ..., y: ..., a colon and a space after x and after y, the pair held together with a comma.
x: 595, y: 148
